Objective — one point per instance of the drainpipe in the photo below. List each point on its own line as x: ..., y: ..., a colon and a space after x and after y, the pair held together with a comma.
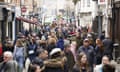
x: 113, y: 20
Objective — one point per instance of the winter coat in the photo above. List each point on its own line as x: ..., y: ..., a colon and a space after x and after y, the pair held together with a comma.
x: 99, y: 55
x: 89, y: 51
x: 10, y: 66
x: 32, y: 50
x: 70, y: 60
x: 60, y: 44
x: 55, y: 65
x: 76, y: 68
x: 108, y: 47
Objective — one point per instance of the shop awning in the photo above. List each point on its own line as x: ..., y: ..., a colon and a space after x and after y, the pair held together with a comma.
x: 27, y: 20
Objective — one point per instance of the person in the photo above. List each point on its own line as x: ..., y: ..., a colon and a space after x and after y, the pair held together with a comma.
x: 42, y: 55
x: 8, y: 64
x: 36, y: 66
x: 51, y: 44
x: 91, y: 41
x: 99, y: 50
x: 32, y: 47
x: 8, y: 45
x: 19, y: 53
x: 82, y: 64
x: 108, y: 68
x: 78, y: 40
x: 108, y: 45
x: 60, y: 43
x: 73, y: 49
x: 89, y: 51
x: 105, y: 60
x: 70, y: 58
x: 57, y: 61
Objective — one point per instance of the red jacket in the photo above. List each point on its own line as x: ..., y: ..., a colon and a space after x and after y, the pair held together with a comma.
x: 1, y: 51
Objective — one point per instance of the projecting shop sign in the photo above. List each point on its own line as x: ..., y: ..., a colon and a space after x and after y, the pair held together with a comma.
x: 102, y: 2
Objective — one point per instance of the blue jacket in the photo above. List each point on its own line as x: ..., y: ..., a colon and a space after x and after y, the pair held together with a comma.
x: 60, y: 44
x: 90, y: 54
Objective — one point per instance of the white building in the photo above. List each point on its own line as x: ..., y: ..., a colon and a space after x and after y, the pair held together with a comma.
x: 86, y: 11
x: 105, y: 9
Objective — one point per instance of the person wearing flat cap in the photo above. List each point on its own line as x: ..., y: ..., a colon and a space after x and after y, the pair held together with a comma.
x: 89, y: 51
x: 56, y: 63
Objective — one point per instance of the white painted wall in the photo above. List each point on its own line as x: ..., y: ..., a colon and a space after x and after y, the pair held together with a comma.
x: 86, y: 7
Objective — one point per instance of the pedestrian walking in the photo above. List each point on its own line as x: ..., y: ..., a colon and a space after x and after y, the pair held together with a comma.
x: 99, y: 50
x: 57, y: 61
x: 70, y: 58
x: 108, y: 47
x: 8, y: 64
x: 19, y: 54
x: 105, y: 60
x: 31, y: 48
x: 89, y: 51
x: 82, y: 64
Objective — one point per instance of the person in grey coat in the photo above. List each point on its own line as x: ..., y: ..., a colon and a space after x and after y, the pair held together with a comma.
x: 89, y: 51
x: 8, y: 65
x: 108, y: 47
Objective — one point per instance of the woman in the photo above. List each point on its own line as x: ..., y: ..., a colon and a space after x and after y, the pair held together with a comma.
x: 34, y: 68
x: 81, y: 64
x: 57, y: 61
x: 99, y: 49
x: 19, y: 54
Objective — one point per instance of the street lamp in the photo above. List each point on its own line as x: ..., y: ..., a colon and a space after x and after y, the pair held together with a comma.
x: 78, y: 18
x: 113, y: 19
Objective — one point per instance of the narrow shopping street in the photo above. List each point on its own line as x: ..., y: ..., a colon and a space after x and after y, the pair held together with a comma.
x: 59, y: 35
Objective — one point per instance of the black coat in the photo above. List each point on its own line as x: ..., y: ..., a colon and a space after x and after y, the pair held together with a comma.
x: 76, y: 68
x: 108, y: 47
x: 70, y: 60
x: 89, y: 51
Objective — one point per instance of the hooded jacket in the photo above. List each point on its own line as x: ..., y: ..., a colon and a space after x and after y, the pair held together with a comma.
x: 55, y: 65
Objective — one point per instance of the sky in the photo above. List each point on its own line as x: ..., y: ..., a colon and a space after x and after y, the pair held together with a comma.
x: 53, y: 5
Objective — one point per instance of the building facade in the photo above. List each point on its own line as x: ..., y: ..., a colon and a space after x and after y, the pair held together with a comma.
x: 7, y: 25
x: 115, y: 26
x: 86, y: 11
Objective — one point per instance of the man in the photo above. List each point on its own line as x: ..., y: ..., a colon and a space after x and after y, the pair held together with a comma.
x: 8, y: 64
x: 108, y: 47
x: 70, y: 58
x: 89, y: 51
x: 42, y: 55
x: 105, y: 60
x: 57, y: 61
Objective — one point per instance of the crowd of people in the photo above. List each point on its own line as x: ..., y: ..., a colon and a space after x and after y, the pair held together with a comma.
x: 57, y: 48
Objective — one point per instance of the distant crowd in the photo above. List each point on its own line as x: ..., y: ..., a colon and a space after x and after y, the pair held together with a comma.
x: 57, y: 48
